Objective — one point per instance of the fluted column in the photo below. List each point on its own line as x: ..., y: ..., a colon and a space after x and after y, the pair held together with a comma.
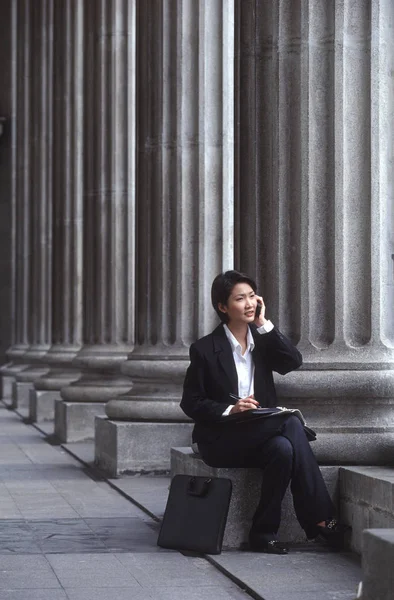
x: 326, y: 270
x: 109, y: 209
x: 184, y: 199
x: 8, y: 371
x: 21, y: 139
x: 67, y: 209
x: 21, y: 204
x: 40, y: 198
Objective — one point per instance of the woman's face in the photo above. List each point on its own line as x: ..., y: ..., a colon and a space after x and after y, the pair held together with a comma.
x: 241, y: 304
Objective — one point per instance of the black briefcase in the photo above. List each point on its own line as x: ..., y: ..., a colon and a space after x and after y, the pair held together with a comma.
x: 196, y: 514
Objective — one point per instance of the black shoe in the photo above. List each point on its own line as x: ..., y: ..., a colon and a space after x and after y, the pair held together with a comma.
x: 268, y: 543
x: 333, y: 534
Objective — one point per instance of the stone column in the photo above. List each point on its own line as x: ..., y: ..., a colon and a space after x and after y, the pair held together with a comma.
x: 325, y: 240
x: 184, y: 220
x: 21, y: 139
x: 7, y: 371
x: 109, y: 213
x: 256, y: 117
x: 40, y: 199
x: 67, y: 210
x: 7, y: 169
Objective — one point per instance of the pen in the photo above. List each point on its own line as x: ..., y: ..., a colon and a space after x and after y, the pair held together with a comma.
x: 235, y: 397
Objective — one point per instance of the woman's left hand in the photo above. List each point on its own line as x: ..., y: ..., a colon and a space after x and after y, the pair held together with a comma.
x: 260, y: 320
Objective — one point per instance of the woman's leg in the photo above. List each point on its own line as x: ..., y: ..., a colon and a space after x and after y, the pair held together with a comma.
x: 282, y: 450
x: 312, y: 502
x: 257, y: 445
x: 275, y: 457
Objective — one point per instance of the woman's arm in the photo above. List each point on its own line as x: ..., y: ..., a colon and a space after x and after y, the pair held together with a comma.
x: 279, y: 353
x: 195, y: 401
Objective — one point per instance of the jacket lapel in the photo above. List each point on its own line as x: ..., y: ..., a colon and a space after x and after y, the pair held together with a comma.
x: 222, y: 348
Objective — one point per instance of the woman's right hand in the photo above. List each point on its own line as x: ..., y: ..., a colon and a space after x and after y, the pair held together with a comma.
x: 243, y: 404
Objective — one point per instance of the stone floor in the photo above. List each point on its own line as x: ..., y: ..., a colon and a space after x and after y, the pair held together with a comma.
x: 67, y: 533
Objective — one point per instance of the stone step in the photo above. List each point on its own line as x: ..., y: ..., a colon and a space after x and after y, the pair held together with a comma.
x: 245, y: 496
x: 378, y: 564
x: 366, y: 500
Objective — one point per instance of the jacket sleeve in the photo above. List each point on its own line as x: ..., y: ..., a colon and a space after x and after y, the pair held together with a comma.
x: 195, y: 401
x: 280, y: 354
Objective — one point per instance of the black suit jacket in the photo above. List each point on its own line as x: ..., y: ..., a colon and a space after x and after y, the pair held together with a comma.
x: 212, y: 376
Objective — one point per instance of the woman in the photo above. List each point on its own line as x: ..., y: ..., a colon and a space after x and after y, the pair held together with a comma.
x: 231, y: 372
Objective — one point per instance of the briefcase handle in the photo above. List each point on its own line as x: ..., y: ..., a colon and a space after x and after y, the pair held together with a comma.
x: 197, y: 487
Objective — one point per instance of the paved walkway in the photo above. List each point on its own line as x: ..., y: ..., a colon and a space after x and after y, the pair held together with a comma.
x: 67, y: 534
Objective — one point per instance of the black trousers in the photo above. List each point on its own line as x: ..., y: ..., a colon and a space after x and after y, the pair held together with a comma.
x: 279, y: 446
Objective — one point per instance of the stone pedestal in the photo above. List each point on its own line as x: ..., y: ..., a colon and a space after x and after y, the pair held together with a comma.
x: 93, y: 389
x: 23, y: 384
x: 46, y: 392
x: 74, y: 422
x: 245, y: 496
x: 42, y: 405
x: 7, y: 383
x: 8, y: 374
x: 137, y: 447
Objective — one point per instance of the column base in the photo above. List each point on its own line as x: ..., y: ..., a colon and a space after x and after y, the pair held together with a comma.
x: 137, y: 447
x: 7, y: 386
x: 42, y: 405
x: 8, y: 375
x: 245, y: 496
x: 354, y: 446
x: 74, y: 421
x: 352, y: 412
x: 23, y: 384
x: 21, y: 395
x: 46, y: 391
x: 96, y: 387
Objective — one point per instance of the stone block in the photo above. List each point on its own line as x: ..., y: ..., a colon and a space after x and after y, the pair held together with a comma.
x: 357, y: 517
x: 22, y: 385
x: 373, y: 486
x: 378, y: 520
x: 21, y: 394
x: 6, y: 389
x: 42, y: 405
x: 245, y: 496
x: 366, y: 500
x: 377, y: 562
x: 137, y: 447
x: 8, y: 375
x: 74, y: 421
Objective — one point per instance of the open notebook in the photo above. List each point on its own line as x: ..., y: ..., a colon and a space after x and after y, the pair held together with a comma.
x: 260, y: 413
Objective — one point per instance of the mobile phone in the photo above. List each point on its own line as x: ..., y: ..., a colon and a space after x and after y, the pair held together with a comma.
x: 258, y: 310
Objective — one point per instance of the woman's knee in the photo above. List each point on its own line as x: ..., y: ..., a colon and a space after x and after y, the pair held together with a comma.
x: 281, y: 449
x: 293, y: 425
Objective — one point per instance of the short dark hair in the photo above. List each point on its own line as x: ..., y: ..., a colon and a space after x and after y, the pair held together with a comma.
x: 222, y: 287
